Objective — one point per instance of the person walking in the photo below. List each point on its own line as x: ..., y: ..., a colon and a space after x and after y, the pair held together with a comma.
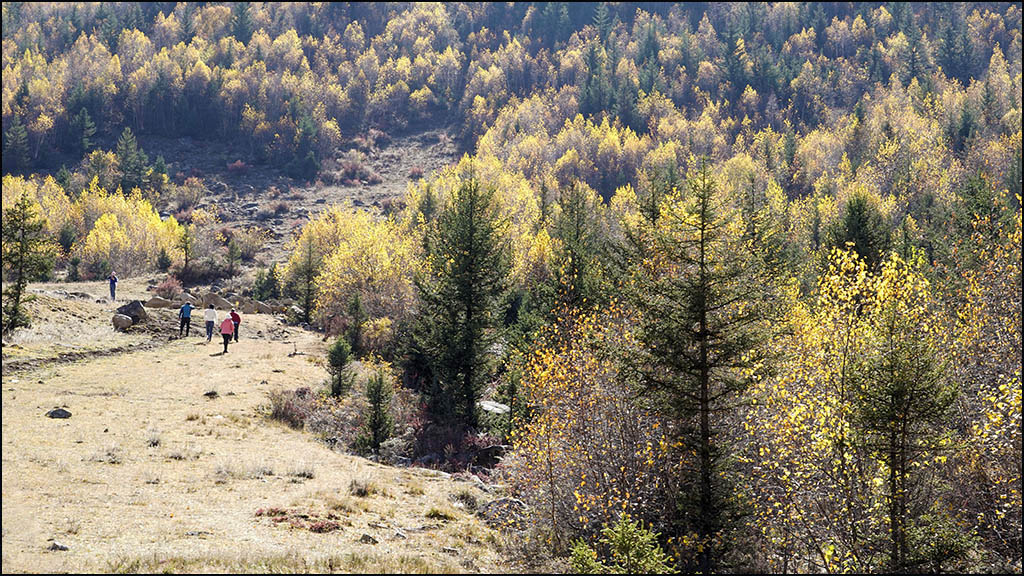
x: 210, y: 315
x: 113, y: 285
x: 227, y: 327
x: 236, y: 319
x: 185, y: 315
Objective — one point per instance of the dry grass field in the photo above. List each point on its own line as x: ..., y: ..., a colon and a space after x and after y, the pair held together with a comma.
x: 151, y: 474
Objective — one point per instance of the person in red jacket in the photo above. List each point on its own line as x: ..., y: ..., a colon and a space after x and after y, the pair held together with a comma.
x: 227, y: 327
x: 236, y: 319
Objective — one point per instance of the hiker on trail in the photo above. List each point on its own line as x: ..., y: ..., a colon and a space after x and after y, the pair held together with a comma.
x: 236, y: 319
x: 227, y: 327
x: 210, y: 315
x: 185, y: 314
x: 113, y: 284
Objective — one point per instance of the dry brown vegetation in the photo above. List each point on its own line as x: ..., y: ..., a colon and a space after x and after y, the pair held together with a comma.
x: 150, y: 475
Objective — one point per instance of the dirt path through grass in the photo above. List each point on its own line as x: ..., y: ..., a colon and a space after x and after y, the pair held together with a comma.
x: 150, y: 474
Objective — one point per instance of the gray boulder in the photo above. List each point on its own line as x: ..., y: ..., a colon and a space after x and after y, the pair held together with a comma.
x: 58, y: 413
x: 262, y: 308
x: 186, y: 297
x: 158, y: 302
x: 134, y: 310
x: 218, y: 301
x: 121, y: 322
x: 493, y: 407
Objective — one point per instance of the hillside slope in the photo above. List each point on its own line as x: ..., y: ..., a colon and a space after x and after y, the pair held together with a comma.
x: 149, y: 474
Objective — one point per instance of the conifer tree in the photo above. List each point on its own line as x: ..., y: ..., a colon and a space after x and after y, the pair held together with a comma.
x: 577, y: 227
x: 16, y: 151
x: 704, y: 303
x: 863, y: 226
x: 27, y: 255
x: 83, y: 130
x: 131, y: 161
x: 903, y: 396
x: 241, y: 22
x: 377, y: 421
x: 466, y: 282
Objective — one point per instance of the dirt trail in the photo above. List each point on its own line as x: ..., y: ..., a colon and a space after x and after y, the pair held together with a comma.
x: 149, y: 474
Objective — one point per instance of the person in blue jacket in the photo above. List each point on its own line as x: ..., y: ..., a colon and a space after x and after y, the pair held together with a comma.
x: 185, y: 315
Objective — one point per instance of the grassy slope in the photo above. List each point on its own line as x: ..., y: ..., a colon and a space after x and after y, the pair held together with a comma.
x: 189, y: 502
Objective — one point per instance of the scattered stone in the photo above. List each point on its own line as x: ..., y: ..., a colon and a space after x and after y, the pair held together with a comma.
x: 211, y: 394
x: 493, y: 407
x: 199, y: 533
x: 367, y: 539
x: 121, y: 322
x: 451, y: 551
x: 218, y: 301
x: 58, y: 413
x: 158, y: 302
x: 57, y: 547
x: 134, y: 310
x: 399, y: 535
x: 186, y: 297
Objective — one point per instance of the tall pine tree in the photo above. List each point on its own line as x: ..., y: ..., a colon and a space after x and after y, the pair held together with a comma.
x: 27, y: 255
x: 467, y: 279
x: 704, y: 303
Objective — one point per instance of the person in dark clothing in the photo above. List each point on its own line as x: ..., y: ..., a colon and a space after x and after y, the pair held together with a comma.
x: 236, y: 319
x: 185, y: 315
x: 113, y: 285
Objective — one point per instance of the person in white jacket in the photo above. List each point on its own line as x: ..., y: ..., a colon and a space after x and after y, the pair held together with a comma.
x: 210, y: 315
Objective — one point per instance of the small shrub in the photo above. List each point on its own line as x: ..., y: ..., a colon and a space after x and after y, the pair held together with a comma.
x: 267, y: 284
x: 466, y: 498
x: 363, y: 488
x: 238, y: 168
x: 436, y: 513
x: 416, y: 173
x: 280, y: 208
x: 292, y: 408
x: 163, y: 260
x: 170, y: 288
x: 249, y: 241
x: 378, y: 137
x: 632, y: 550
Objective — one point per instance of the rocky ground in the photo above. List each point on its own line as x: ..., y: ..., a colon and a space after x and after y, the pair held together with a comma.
x: 250, y: 197
x: 168, y: 461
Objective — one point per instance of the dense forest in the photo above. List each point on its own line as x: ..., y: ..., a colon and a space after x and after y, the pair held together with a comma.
x: 747, y: 277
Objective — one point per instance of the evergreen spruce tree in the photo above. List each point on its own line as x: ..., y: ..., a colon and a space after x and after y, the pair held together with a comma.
x: 338, y: 357
x: 466, y: 282
x: 83, y: 129
x: 132, y: 162
x: 377, y: 421
x: 27, y: 255
x: 16, y: 158
x: 862, y: 225
x: 577, y: 227
x: 241, y: 22
x: 903, y: 397
x: 704, y: 304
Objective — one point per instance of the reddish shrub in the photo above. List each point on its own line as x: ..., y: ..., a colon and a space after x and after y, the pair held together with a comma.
x: 169, y: 288
x: 238, y: 167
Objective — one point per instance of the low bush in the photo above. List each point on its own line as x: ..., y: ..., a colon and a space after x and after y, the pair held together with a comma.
x: 169, y: 288
x: 293, y: 408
